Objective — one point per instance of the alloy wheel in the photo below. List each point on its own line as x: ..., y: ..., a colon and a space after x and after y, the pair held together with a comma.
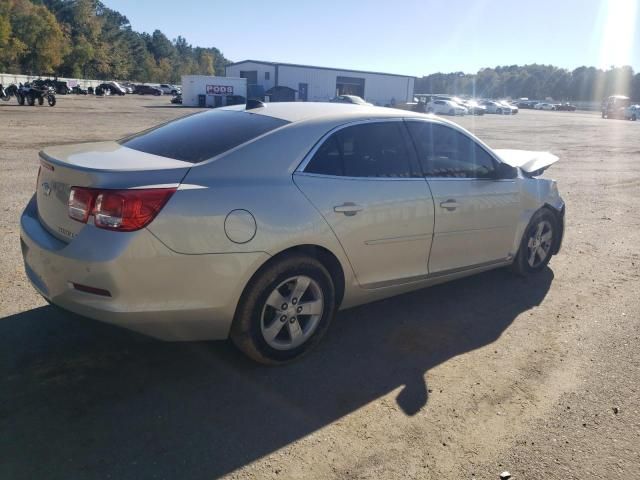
x: 539, y: 243
x: 292, y: 313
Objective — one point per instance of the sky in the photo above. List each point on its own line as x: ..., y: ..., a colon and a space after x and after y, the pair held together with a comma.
x: 408, y: 37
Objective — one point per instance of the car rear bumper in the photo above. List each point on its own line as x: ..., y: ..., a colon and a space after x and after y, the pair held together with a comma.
x: 141, y: 284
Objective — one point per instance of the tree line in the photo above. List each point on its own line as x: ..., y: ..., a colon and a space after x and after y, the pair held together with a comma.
x: 85, y: 39
x: 536, y: 82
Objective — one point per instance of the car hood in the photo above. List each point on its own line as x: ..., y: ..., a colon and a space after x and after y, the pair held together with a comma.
x: 528, y: 161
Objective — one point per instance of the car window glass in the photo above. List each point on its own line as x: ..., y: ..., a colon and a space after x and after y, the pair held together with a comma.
x: 368, y: 150
x: 202, y: 136
x: 445, y: 152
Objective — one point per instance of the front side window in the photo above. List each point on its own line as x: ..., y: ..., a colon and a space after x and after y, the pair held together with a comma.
x: 445, y: 152
x: 373, y: 150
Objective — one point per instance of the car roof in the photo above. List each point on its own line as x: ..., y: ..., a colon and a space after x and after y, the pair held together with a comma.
x: 299, y: 111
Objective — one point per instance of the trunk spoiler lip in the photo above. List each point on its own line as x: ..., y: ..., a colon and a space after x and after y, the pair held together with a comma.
x: 528, y: 161
x: 68, y: 156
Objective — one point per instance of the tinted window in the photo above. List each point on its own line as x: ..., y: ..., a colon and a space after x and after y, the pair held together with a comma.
x: 201, y: 136
x: 445, y: 152
x: 366, y: 150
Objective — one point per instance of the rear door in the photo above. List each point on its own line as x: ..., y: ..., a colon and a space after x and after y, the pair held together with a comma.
x: 365, y: 181
x: 476, y: 213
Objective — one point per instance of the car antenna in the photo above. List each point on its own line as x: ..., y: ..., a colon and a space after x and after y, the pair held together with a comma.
x: 254, y: 103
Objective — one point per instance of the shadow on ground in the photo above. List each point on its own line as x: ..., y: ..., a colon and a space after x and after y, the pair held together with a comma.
x: 80, y: 399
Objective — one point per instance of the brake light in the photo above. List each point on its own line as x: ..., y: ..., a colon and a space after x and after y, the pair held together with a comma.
x: 121, y: 210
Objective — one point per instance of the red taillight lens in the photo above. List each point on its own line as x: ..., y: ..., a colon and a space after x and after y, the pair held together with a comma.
x: 80, y: 203
x: 122, y: 210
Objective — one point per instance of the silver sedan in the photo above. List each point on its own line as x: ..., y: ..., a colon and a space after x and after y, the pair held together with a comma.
x: 259, y: 223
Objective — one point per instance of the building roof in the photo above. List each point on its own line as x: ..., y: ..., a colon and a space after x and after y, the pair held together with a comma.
x: 274, y: 64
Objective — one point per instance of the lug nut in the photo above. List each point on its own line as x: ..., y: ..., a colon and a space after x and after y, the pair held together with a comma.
x: 292, y: 320
x: 283, y: 318
x: 299, y: 309
x: 284, y: 306
x: 294, y: 301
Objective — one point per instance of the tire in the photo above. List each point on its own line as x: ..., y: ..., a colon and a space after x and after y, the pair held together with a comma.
x: 51, y: 99
x: 542, y: 222
x: 499, y: 111
x: 20, y: 99
x: 40, y: 101
x: 31, y: 100
x: 263, y: 332
x: 633, y: 117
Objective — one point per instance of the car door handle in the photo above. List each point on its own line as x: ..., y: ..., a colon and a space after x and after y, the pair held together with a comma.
x: 348, y: 208
x: 450, y: 204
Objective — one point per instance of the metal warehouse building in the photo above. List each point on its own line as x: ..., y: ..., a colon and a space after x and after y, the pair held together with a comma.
x: 289, y: 82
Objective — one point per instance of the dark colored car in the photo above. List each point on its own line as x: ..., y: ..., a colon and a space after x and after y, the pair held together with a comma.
x: 567, y: 107
x: 59, y: 86
x: 78, y: 90
x: 147, y: 90
x: 527, y: 104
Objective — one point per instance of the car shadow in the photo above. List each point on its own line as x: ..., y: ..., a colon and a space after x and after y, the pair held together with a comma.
x: 81, y: 399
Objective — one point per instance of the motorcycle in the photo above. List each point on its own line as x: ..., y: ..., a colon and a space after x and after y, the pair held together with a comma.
x: 31, y: 95
x: 7, y: 93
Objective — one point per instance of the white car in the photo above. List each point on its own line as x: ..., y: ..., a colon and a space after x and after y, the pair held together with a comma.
x: 508, y: 108
x: 632, y: 112
x: 168, y: 89
x: 544, y: 106
x: 493, y: 106
x: 446, y: 107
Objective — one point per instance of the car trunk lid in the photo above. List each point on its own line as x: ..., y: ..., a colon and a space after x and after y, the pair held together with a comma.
x: 106, y: 165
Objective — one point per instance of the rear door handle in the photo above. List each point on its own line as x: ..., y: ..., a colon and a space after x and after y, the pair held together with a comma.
x: 450, y: 204
x: 348, y: 208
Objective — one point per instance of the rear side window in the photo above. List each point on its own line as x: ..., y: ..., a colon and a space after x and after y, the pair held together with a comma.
x: 445, y: 152
x: 202, y: 136
x: 376, y: 150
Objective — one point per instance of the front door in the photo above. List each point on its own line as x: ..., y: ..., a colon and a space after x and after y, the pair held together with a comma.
x: 476, y: 213
x: 364, y: 181
x: 303, y: 91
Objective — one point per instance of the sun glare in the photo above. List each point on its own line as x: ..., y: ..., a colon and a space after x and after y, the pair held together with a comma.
x: 619, y: 18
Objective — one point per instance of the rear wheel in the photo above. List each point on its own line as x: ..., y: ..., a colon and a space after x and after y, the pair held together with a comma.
x: 634, y: 117
x: 40, y: 101
x: 499, y: 111
x: 31, y: 100
x: 537, y: 243
x: 285, y: 310
x: 20, y: 99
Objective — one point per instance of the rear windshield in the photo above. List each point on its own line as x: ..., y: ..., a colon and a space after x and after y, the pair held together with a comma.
x: 202, y: 136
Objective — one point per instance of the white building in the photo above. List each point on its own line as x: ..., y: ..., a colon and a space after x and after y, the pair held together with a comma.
x: 286, y: 81
x: 207, y: 91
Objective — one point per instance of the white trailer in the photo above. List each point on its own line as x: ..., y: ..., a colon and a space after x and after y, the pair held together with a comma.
x: 208, y: 91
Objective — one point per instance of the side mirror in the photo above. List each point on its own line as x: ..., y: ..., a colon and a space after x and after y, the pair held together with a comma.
x: 504, y: 170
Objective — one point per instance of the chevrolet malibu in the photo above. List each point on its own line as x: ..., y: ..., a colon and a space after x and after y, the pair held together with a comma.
x: 258, y: 223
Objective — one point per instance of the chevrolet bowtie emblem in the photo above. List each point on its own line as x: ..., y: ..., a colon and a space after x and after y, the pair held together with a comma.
x: 46, y: 189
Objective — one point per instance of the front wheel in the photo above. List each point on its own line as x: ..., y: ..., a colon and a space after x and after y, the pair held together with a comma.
x: 285, y: 310
x: 537, y: 243
x: 51, y: 100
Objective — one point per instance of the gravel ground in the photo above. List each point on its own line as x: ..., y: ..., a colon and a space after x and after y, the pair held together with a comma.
x: 536, y: 376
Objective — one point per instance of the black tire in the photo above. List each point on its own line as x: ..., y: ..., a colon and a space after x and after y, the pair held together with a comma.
x: 499, y: 111
x: 521, y: 264
x: 633, y: 117
x: 20, y: 99
x: 246, y: 332
x: 31, y: 99
x: 40, y: 101
x: 51, y: 99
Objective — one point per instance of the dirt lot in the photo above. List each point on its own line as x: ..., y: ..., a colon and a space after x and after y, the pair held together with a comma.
x: 539, y: 377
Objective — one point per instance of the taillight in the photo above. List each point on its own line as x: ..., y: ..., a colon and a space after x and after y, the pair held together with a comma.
x: 121, y: 210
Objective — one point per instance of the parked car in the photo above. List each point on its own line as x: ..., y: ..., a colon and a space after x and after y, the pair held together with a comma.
x: 566, y: 107
x: 353, y: 99
x: 473, y: 107
x: 445, y: 107
x: 527, y: 104
x: 177, y: 99
x: 156, y: 237
x: 169, y: 89
x: 59, y: 87
x: 632, y: 112
x: 147, y: 90
x: 78, y: 90
x: 510, y: 108
x: 496, y: 107
x: 112, y: 88
x: 545, y: 106
x: 614, y: 106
